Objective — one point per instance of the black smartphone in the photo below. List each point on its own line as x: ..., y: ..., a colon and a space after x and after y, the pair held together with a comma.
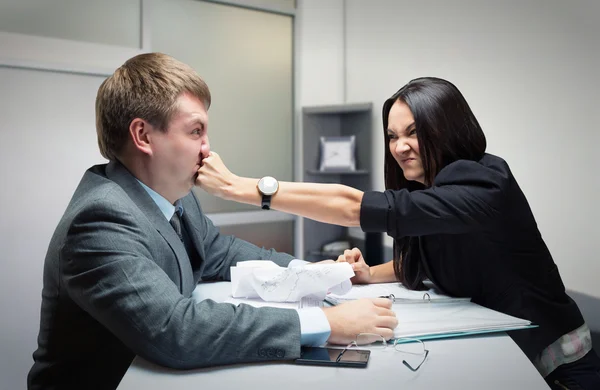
x: 322, y: 356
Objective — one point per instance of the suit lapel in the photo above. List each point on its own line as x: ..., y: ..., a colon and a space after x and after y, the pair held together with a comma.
x: 120, y: 175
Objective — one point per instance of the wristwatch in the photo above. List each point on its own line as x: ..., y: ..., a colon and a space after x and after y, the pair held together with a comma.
x: 267, y: 186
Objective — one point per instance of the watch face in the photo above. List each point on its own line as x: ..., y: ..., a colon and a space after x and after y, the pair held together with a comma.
x: 268, y: 185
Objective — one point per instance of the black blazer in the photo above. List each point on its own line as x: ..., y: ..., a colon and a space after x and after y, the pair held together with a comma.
x: 475, y: 236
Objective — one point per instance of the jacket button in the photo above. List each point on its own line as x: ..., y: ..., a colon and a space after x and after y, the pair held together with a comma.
x: 271, y: 352
x: 280, y: 353
x: 262, y: 352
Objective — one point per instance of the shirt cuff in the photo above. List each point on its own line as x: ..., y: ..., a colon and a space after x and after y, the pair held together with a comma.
x: 297, y: 263
x: 374, y: 210
x: 314, y: 327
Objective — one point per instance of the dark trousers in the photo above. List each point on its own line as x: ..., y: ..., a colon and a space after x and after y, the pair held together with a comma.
x: 583, y: 374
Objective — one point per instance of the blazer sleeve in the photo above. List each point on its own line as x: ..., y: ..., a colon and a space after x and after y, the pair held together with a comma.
x: 107, y: 269
x: 465, y: 196
x: 223, y: 251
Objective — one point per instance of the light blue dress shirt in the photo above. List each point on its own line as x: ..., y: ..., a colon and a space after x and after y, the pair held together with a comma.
x: 314, y: 327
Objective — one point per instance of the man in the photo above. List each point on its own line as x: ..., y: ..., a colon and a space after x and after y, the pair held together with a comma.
x: 133, y: 243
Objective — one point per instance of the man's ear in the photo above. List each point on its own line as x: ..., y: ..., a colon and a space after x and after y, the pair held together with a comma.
x: 140, y: 133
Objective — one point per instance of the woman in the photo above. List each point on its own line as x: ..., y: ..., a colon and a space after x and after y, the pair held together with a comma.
x: 457, y: 217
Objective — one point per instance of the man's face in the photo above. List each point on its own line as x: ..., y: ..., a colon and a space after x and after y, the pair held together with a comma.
x: 178, y: 153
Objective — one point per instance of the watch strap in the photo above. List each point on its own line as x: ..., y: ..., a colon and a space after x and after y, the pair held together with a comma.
x: 266, y: 202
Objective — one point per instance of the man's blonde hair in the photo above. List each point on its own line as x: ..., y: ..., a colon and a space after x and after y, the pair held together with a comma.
x: 146, y: 86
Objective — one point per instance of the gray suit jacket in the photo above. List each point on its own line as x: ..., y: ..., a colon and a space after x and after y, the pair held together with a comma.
x: 118, y: 283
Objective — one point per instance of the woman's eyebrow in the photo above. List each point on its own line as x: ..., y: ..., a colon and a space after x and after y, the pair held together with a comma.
x: 409, y: 126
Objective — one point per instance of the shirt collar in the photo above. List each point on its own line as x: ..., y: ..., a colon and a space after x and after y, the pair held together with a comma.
x: 164, y: 205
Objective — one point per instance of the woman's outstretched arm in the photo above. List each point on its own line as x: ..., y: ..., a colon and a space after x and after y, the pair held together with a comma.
x: 330, y: 203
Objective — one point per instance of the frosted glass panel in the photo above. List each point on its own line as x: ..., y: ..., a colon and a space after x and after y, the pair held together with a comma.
x: 287, y: 4
x: 113, y: 22
x: 245, y: 56
x: 276, y: 235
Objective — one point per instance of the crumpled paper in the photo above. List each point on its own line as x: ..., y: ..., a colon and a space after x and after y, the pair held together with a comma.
x: 272, y: 283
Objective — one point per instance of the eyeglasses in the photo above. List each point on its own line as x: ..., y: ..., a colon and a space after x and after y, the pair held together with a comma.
x: 405, y: 345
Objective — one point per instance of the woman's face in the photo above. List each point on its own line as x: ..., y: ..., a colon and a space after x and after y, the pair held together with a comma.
x: 403, y: 143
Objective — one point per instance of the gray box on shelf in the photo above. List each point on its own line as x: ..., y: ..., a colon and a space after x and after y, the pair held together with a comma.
x: 338, y: 121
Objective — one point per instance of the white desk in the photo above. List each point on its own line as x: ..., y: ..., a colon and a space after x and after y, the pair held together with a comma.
x: 482, y: 362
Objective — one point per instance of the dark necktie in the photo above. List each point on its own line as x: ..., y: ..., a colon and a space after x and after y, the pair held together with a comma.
x: 176, y: 223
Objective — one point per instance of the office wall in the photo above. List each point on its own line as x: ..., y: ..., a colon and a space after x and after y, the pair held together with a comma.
x: 318, y: 71
x: 529, y: 71
x: 75, y: 20
x: 319, y: 34
x: 47, y: 140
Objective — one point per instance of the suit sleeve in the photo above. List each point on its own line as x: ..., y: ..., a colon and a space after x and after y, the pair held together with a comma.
x: 465, y: 196
x: 223, y: 251
x: 108, y: 270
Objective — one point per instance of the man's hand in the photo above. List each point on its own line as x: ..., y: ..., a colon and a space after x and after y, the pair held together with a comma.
x: 361, y: 269
x: 361, y: 316
x: 214, y: 177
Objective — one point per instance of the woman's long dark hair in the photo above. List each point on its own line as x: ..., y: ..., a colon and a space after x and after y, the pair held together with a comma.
x: 447, y: 131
